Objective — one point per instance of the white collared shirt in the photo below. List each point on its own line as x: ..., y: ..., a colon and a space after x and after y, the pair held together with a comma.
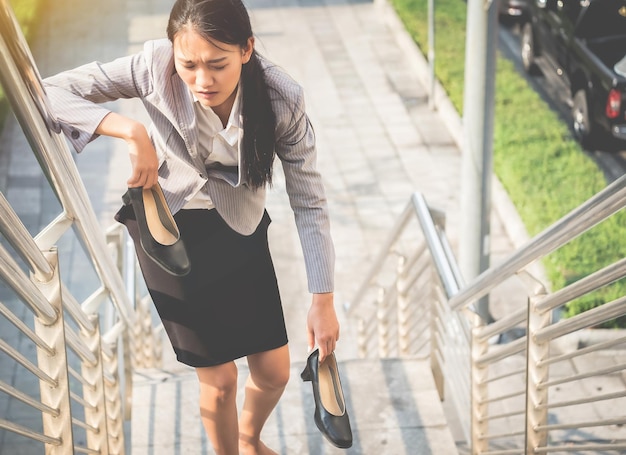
x: 216, y: 144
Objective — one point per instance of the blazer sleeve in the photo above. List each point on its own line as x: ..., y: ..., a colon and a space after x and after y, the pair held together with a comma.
x: 296, y: 149
x: 76, y: 95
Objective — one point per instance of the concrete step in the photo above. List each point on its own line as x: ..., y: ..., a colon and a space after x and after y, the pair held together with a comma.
x: 393, y: 406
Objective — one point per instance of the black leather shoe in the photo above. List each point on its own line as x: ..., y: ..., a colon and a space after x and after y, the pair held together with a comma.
x: 331, y: 415
x: 158, y: 232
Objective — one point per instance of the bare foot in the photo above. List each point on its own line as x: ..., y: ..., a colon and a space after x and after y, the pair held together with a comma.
x: 260, y: 449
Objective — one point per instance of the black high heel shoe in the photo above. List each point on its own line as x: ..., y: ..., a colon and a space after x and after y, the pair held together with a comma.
x: 158, y: 232
x: 331, y: 415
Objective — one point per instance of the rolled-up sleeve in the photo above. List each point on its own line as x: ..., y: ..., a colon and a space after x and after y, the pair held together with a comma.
x: 76, y: 95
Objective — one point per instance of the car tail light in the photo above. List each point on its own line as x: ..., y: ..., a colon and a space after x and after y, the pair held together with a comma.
x: 613, y: 103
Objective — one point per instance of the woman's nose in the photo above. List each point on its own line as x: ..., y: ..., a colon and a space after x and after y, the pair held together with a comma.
x: 204, y: 78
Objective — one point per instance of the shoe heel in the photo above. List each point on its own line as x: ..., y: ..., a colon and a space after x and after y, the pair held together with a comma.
x: 126, y: 198
x: 306, y: 374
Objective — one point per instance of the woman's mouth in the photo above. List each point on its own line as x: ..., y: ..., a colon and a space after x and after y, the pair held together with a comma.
x: 207, y: 95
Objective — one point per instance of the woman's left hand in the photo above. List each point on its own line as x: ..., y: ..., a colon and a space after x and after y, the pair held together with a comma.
x: 322, y: 325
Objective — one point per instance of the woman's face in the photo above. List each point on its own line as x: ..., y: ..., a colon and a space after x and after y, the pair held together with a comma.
x: 210, y: 70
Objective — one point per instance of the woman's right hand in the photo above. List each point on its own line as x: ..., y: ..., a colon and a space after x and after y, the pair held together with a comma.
x: 143, y: 156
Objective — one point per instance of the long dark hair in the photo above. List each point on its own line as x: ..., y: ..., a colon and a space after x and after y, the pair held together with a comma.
x: 228, y: 21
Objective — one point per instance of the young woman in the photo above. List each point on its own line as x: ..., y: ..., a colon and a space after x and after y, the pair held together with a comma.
x: 219, y: 115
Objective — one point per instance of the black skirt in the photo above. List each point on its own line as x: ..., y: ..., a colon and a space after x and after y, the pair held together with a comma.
x: 229, y: 305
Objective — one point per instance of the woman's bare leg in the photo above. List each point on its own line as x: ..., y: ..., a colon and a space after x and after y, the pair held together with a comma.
x: 269, y: 373
x: 218, y: 406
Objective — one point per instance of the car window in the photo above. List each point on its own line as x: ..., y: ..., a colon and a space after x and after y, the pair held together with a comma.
x: 602, y: 18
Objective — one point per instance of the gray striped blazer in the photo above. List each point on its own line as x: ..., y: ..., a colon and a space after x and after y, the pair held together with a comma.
x: 150, y: 75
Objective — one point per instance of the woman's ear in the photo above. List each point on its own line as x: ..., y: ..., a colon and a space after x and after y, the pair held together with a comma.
x: 246, y: 52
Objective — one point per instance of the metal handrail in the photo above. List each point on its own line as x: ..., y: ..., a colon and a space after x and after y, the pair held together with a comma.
x: 487, y: 358
x: 24, y: 90
x: 104, y: 359
x: 16, y: 235
x: 10, y: 272
x: 604, y: 204
x: 417, y: 207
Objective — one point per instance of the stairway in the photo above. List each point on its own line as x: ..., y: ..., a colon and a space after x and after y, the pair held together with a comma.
x: 393, y: 405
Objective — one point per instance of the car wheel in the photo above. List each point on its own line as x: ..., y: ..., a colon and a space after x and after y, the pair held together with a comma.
x: 583, y: 128
x: 528, y: 49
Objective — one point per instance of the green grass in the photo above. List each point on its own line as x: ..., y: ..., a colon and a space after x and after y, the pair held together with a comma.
x: 541, y: 166
x: 26, y: 14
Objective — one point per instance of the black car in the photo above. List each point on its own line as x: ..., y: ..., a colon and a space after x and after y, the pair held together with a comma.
x: 584, y: 42
x: 512, y: 9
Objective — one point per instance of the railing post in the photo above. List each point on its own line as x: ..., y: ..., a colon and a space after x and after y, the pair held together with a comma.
x: 480, y: 393
x: 435, y: 349
x: 94, y: 392
x: 361, y: 338
x: 114, y: 401
x: 536, y: 375
x: 120, y: 406
x: 383, y: 324
x: 127, y: 346
x: 402, y: 307
x: 138, y: 347
x: 145, y: 343
x: 58, y: 397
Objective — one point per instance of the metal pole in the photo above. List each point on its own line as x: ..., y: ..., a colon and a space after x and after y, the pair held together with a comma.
x: 537, y: 373
x: 94, y: 393
x: 57, y: 426
x: 479, y: 391
x: 431, y: 53
x: 477, y: 162
x: 24, y: 90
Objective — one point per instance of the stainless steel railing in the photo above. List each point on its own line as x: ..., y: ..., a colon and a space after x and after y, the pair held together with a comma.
x: 80, y: 353
x: 516, y: 384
